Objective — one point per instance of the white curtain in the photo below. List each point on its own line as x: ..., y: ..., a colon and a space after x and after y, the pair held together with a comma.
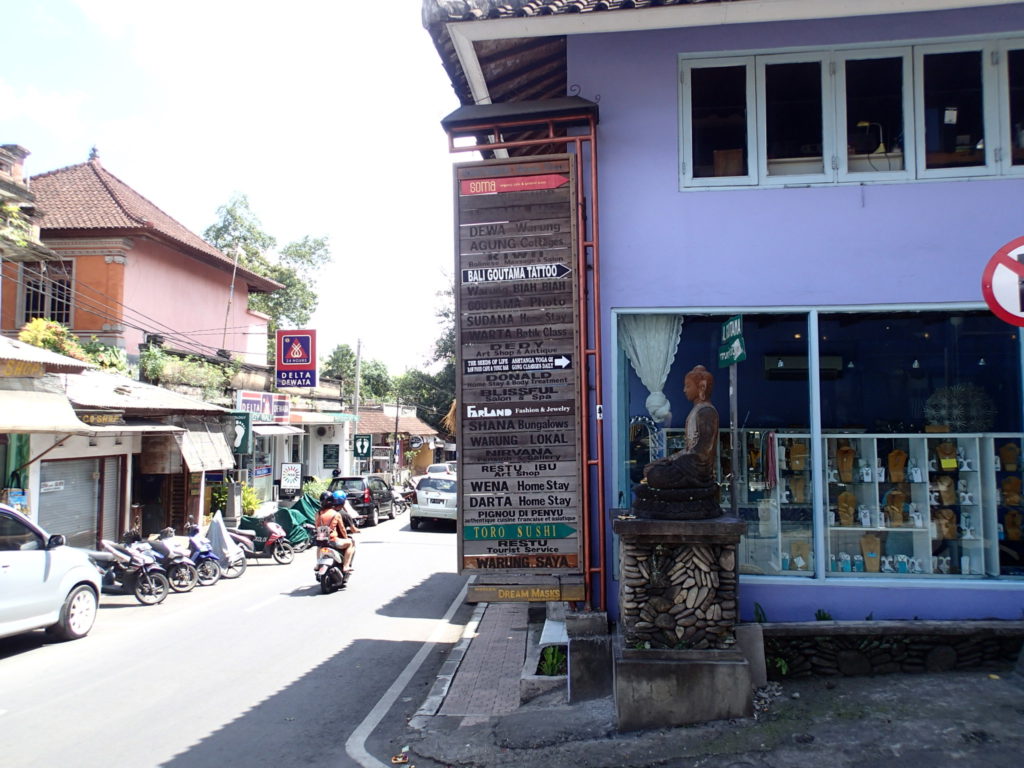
x: 650, y: 342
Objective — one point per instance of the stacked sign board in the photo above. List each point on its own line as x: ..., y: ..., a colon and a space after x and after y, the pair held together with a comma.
x: 519, y: 376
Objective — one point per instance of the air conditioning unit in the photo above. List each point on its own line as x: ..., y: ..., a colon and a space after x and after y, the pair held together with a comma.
x: 796, y: 366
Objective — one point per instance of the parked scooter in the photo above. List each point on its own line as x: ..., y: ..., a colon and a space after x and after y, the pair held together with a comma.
x: 134, y: 570
x: 201, y: 551
x: 402, y: 499
x: 181, y: 570
x: 267, y: 540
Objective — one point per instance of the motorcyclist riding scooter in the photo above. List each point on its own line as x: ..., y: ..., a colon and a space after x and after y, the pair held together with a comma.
x: 334, y: 542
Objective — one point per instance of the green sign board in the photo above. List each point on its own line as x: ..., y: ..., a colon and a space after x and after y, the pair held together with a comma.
x: 362, y: 445
x: 241, y: 441
x: 518, y: 531
x: 732, y: 349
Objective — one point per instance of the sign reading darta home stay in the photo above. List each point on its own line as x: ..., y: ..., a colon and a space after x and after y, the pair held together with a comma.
x: 519, y: 377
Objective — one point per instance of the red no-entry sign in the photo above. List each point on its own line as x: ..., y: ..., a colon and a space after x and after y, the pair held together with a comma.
x: 1002, y: 280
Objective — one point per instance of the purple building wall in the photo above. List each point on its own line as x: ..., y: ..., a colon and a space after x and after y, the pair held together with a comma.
x: 876, y: 243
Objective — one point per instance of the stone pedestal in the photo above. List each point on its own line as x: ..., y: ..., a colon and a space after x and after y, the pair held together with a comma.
x: 677, y: 661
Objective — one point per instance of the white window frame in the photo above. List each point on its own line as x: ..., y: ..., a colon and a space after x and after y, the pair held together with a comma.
x: 686, y: 134
x: 1005, y: 149
x: 909, y: 133
x: 828, y: 173
x: 995, y: 113
x: 989, y: 108
x: 69, y: 264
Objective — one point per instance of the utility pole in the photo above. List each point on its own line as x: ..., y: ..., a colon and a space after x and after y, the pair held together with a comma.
x: 355, y: 408
x: 394, y: 442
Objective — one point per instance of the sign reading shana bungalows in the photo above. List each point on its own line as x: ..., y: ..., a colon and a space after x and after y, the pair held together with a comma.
x: 519, y: 382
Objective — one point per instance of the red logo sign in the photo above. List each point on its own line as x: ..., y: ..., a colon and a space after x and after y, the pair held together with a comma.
x: 1001, y: 282
x: 501, y: 184
x: 296, y: 359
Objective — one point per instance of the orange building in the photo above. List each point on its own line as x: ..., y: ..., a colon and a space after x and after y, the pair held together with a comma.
x: 128, y: 270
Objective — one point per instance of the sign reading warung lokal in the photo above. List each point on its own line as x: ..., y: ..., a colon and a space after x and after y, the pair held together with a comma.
x: 519, y: 382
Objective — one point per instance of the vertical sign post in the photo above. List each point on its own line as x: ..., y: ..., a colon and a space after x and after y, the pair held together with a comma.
x: 732, y: 351
x: 517, y: 302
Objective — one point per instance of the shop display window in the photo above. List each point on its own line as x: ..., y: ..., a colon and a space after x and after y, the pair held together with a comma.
x: 919, y: 438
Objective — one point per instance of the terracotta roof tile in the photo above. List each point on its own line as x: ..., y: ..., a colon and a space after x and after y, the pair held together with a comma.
x: 87, y: 196
x: 376, y: 422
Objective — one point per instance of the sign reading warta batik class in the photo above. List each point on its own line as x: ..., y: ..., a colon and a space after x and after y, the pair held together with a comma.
x: 519, y: 377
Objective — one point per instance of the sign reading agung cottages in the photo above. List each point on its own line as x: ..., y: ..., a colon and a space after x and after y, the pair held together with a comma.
x: 519, y: 381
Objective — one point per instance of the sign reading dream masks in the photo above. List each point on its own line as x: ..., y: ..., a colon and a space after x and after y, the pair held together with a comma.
x: 519, y: 378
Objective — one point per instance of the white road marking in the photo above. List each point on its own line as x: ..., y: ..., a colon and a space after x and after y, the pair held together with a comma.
x: 356, y: 744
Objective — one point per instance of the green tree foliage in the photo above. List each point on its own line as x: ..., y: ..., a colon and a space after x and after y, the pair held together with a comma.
x: 341, y: 365
x: 375, y: 381
x: 51, y: 335
x: 294, y: 266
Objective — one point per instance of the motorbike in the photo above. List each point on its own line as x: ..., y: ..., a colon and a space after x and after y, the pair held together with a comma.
x: 134, y: 570
x: 201, y: 552
x: 267, y: 540
x: 181, y: 570
x: 402, y: 499
x: 328, y: 568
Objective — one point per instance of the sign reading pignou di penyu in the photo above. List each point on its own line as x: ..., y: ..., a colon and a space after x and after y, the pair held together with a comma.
x: 519, y: 377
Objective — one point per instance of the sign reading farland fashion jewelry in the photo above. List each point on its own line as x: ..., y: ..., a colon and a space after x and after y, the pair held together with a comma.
x: 519, y: 380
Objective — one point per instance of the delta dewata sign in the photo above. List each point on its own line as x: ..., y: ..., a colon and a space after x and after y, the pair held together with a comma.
x: 295, y: 365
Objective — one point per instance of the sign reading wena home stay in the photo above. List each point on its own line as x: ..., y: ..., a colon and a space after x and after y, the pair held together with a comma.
x: 519, y: 384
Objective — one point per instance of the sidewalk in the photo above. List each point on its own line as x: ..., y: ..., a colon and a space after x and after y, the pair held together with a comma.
x: 473, y: 718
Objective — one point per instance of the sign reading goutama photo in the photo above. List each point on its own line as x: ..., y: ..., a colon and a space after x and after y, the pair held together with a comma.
x: 295, y: 365
x: 519, y: 378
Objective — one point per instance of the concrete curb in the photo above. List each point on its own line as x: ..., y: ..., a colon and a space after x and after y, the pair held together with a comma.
x: 439, y: 690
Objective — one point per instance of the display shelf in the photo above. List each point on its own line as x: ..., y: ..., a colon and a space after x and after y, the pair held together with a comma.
x: 1002, y: 479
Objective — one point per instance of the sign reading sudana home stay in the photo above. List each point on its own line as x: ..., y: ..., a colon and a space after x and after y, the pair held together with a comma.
x: 519, y: 377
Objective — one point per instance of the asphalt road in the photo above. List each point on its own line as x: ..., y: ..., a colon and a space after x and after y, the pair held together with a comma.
x: 261, y: 670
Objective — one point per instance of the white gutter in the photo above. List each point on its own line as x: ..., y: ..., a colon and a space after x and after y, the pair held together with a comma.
x: 464, y: 33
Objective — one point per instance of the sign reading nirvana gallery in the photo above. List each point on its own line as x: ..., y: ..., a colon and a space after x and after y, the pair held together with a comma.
x: 518, y: 384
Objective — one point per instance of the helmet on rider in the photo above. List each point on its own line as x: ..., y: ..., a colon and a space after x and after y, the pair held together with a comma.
x: 326, y: 499
x: 340, y: 497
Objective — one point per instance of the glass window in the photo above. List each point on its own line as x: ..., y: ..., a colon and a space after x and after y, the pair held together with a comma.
x: 874, y: 114
x: 47, y: 291
x: 894, y: 372
x: 954, y: 115
x: 1015, y: 75
x: 719, y: 121
x: 794, y: 140
x: 15, y: 535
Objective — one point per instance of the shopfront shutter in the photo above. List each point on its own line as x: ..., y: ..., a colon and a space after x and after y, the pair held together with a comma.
x: 68, y: 499
x: 111, y: 497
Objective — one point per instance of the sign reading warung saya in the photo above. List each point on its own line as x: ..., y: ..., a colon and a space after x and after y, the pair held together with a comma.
x: 519, y: 381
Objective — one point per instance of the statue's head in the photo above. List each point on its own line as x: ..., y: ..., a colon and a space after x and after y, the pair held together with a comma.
x: 698, y: 383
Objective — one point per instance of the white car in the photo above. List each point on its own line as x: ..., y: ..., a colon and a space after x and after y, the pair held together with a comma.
x: 448, y: 469
x: 436, y: 499
x: 43, y: 582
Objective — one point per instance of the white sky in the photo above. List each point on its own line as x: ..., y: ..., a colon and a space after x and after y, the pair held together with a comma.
x: 325, y: 114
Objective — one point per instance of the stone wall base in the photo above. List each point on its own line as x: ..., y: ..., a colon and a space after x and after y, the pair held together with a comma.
x: 664, y: 689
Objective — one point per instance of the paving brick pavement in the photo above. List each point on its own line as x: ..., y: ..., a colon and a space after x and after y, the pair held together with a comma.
x: 486, y: 683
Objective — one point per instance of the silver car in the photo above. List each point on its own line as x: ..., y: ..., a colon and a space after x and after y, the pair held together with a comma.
x: 436, y: 499
x: 43, y: 582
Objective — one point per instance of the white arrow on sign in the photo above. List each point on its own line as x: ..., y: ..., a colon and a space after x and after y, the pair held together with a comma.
x: 562, y: 362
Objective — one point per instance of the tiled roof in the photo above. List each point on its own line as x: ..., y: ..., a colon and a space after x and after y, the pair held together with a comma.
x: 377, y: 422
x: 88, y: 197
x: 469, y: 10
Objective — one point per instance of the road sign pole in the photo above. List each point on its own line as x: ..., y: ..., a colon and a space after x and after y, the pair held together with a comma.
x: 734, y: 436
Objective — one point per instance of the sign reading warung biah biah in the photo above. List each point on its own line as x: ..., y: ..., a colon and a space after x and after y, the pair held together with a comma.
x: 519, y: 379
x: 295, y: 365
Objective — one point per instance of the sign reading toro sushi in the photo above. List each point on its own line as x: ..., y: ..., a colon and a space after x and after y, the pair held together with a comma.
x: 519, y: 373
